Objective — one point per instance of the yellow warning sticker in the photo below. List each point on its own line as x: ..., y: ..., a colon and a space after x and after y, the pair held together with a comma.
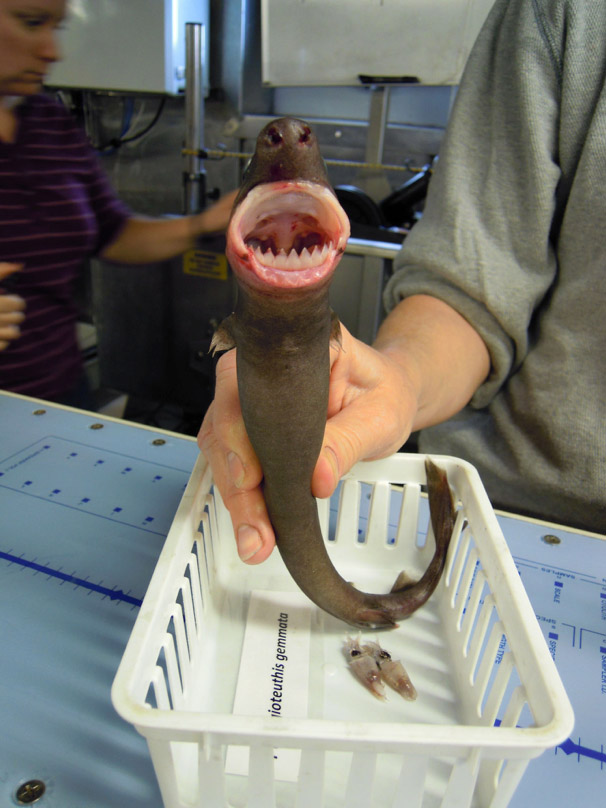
x: 205, y: 264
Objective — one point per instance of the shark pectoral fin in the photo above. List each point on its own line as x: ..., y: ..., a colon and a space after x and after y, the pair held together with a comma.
x: 375, y: 618
x: 222, y: 338
x: 403, y: 582
x: 335, y: 332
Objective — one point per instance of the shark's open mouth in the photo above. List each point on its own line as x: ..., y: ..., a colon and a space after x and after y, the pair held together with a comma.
x: 288, y: 234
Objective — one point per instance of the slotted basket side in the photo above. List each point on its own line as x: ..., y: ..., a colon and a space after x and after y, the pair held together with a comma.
x: 158, y: 687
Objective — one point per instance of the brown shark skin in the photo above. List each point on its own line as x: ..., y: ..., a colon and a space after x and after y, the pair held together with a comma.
x: 283, y: 370
x: 286, y: 149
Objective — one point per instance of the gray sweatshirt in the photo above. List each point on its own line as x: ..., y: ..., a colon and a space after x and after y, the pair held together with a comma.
x: 514, y: 238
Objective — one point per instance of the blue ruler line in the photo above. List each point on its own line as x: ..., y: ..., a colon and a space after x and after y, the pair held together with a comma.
x: 569, y: 747
x: 572, y: 748
x: 113, y: 594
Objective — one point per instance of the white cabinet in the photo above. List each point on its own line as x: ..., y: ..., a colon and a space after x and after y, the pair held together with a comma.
x: 332, y: 42
x: 128, y: 45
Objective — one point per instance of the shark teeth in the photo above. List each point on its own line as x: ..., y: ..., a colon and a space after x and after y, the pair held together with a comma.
x: 293, y: 261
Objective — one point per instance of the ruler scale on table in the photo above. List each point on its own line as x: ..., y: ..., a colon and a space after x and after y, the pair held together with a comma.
x: 84, y: 512
x: 82, y: 523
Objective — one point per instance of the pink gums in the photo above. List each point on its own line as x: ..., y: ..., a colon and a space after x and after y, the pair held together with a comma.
x: 299, y: 226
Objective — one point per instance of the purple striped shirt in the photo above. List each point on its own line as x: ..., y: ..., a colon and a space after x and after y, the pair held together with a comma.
x: 57, y: 208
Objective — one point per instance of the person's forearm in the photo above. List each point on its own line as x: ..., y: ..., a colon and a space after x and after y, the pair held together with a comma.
x: 143, y: 241
x: 443, y: 356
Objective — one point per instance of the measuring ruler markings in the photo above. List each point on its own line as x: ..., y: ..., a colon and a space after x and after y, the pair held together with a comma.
x: 47, y: 443
x: 92, y: 456
x: 560, y: 578
x: 570, y: 747
x: 73, y: 467
x: 114, y: 515
x: 71, y: 463
x: 113, y: 594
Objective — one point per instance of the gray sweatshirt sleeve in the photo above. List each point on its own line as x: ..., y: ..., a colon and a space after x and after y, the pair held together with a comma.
x: 483, y: 244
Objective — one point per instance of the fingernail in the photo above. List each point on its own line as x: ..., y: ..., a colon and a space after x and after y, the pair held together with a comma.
x: 248, y: 541
x: 236, y: 469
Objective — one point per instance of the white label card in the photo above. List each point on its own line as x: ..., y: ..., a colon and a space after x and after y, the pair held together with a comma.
x: 274, y: 671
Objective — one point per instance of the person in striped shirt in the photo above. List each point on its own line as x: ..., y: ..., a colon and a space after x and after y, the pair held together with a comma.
x: 57, y: 209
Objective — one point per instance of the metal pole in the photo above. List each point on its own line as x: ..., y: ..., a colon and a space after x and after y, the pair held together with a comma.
x: 194, y: 179
x: 373, y: 180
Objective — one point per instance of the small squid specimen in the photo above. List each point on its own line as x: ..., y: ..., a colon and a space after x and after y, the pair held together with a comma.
x: 392, y: 671
x: 365, y: 667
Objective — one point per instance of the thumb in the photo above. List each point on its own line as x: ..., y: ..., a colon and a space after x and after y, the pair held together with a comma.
x: 373, y: 425
x: 346, y: 441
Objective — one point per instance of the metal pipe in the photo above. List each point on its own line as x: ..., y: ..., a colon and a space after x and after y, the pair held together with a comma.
x: 374, y: 181
x: 194, y: 177
x: 377, y: 123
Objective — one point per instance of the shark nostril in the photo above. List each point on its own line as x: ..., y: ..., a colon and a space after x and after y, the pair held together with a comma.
x: 274, y: 136
x: 305, y: 135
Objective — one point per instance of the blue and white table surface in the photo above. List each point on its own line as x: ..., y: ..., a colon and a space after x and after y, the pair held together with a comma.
x: 85, y: 505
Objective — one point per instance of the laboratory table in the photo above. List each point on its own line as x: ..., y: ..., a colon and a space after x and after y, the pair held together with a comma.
x: 85, y: 505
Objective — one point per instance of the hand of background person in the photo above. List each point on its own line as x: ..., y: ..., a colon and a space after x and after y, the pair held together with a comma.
x: 370, y: 413
x: 215, y: 218
x: 144, y: 240
x: 11, y: 307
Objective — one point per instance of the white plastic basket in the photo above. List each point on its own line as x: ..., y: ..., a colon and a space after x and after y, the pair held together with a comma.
x: 489, y: 696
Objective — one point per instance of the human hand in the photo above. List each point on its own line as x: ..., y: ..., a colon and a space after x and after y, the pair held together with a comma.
x: 372, y: 404
x: 370, y: 412
x: 11, y: 308
x: 216, y: 218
